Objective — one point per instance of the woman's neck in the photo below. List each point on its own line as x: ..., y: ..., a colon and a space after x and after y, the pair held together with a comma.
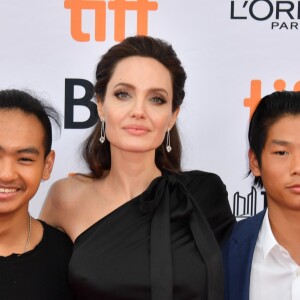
x: 132, y: 173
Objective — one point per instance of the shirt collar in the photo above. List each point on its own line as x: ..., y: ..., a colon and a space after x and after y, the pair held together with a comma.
x: 267, y: 239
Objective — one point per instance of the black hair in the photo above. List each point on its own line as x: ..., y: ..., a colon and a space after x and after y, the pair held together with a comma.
x: 11, y: 99
x: 270, y: 109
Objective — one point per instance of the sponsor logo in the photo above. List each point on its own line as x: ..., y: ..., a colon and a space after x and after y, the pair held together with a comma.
x: 281, y: 15
x: 100, y: 8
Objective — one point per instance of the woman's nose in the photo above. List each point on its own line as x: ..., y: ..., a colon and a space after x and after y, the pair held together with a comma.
x: 138, y: 109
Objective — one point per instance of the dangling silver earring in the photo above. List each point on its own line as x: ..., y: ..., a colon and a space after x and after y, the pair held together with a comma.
x: 102, y: 132
x: 168, y: 145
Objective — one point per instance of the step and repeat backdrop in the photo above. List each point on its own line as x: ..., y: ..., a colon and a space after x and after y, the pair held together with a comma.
x: 234, y: 52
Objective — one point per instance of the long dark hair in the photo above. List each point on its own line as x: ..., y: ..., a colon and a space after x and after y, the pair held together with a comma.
x: 97, y: 155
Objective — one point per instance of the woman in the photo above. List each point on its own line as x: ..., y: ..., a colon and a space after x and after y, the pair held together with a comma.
x: 142, y: 228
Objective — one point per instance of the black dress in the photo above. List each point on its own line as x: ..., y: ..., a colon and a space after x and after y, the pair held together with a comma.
x: 161, y: 245
x: 39, y: 274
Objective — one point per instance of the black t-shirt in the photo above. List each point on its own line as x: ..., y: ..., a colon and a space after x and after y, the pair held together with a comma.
x: 39, y: 274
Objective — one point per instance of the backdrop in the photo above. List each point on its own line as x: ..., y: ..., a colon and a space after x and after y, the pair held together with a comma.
x: 234, y: 52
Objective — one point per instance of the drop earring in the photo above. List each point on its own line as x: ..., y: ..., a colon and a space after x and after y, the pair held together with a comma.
x: 102, y: 132
x: 168, y: 145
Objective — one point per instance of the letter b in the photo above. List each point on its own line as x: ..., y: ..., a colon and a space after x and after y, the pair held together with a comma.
x: 71, y: 101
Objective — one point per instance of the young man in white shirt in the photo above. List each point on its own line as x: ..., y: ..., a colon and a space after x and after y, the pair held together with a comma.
x: 262, y: 256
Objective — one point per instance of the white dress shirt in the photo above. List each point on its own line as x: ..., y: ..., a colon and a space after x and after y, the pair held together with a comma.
x: 274, y: 274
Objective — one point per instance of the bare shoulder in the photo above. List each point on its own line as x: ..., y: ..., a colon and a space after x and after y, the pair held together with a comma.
x: 66, y: 191
x: 64, y: 200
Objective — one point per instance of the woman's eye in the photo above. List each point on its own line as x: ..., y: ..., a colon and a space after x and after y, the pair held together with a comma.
x: 122, y: 95
x: 158, y: 100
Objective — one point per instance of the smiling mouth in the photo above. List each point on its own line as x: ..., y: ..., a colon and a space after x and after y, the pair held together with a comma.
x: 7, y: 190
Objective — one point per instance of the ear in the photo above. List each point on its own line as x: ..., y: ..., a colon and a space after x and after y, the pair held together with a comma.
x: 49, y: 162
x: 173, y: 118
x: 100, y: 108
x: 253, y: 163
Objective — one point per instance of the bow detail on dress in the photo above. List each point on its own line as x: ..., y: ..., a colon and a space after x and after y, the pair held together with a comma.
x: 158, y: 198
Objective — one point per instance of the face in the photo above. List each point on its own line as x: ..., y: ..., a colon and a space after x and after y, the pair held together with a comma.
x: 22, y: 159
x: 137, y: 108
x: 280, y: 164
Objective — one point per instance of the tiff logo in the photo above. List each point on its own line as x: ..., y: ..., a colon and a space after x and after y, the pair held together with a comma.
x: 255, y: 92
x: 142, y: 7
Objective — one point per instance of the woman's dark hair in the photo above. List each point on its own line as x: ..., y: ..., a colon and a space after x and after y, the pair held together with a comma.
x: 270, y: 109
x: 97, y: 155
x: 20, y: 100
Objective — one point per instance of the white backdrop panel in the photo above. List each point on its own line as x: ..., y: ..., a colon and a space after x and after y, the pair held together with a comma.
x: 222, y: 50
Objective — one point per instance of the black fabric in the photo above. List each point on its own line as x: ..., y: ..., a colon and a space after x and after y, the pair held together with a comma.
x: 160, y: 245
x: 39, y: 274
